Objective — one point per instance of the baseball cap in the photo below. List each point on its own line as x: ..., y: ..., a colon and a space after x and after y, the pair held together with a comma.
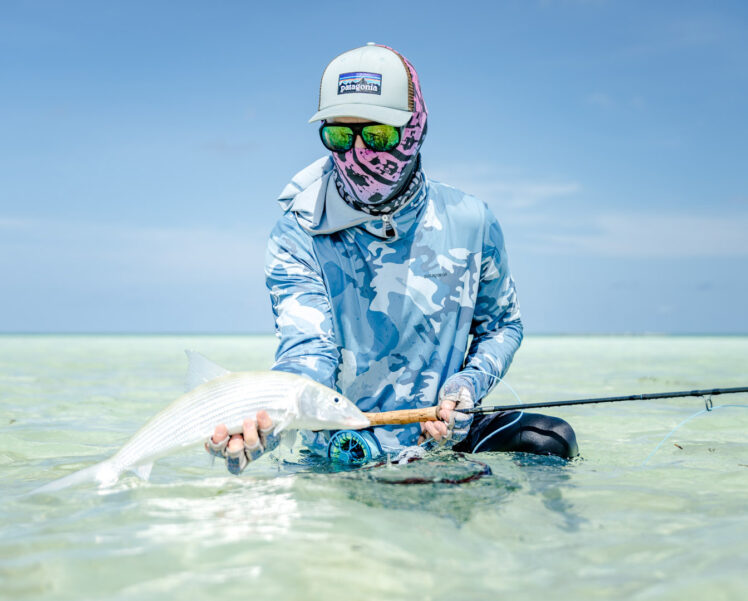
x: 371, y: 82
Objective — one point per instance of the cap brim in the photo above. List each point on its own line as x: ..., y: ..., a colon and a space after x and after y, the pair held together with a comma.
x: 380, y: 114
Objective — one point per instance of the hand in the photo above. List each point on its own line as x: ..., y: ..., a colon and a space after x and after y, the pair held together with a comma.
x: 434, y: 431
x: 240, y: 449
x: 456, y: 394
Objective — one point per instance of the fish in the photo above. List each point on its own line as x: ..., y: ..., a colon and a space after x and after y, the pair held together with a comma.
x: 217, y: 396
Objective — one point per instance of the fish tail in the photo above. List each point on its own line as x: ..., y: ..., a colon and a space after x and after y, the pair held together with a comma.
x: 104, y: 473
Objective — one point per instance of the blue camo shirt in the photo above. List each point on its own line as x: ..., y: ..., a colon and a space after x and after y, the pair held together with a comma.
x: 386, y: 312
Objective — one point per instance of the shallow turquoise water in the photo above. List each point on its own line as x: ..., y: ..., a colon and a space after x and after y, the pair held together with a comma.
x: 601, y: 527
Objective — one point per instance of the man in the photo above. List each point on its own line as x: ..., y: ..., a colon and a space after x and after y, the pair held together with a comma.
x: 392, y: 288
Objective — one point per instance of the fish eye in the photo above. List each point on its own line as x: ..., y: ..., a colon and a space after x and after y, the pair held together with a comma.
x: 336, y: 400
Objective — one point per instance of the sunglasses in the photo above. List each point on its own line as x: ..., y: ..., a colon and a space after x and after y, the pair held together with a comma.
x: 376, y: 136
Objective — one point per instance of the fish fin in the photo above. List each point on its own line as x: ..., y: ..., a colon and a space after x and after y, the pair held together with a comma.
x: 104, y: 473
x: 201, y: 370
x: 143, y: 471
x: 288, y: 438
x: 283, y: 422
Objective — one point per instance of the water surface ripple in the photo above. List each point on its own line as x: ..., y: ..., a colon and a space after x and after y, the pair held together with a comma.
x: 603, y: 526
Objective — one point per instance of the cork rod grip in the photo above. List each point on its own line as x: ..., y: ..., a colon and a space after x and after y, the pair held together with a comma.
x: 403, y: 416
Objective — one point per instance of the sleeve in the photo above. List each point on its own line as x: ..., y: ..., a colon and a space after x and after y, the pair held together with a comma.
x: 301, y: 305
x: 496, y: 326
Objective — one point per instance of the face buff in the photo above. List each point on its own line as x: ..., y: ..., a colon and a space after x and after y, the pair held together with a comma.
x: 381, y: 182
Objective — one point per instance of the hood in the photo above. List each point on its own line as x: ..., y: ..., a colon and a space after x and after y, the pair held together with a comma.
x: 314, y: 199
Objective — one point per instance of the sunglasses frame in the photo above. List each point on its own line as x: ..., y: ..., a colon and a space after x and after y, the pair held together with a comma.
x: 357, y: 129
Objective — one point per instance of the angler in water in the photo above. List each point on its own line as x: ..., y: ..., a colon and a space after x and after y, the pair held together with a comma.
x: 379, y: 277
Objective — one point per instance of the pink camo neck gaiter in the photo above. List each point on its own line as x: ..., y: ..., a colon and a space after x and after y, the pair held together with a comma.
x: 375, y: 178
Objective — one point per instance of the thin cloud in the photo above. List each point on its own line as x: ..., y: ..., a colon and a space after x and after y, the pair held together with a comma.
x: 541, y: 220
x: 505, y: 190
x: 550, y: 3
x: 14, y: 223
x: 645, y: 234
x: 600, y: 99
x: 229, y: 149
x: 137, y: 254
x: 606, y: 101
x: 698, y: 31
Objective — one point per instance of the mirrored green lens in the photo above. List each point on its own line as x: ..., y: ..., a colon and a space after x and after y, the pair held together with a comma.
x: 380, y: 137
x: 337, y: 137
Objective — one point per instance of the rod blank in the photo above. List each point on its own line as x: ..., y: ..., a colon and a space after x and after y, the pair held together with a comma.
x: 613, y: 399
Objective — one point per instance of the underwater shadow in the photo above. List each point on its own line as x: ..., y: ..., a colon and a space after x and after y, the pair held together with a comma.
x: 448, y: 485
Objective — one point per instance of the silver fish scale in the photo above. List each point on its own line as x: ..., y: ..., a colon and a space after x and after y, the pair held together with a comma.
x: 225, y: 400
x: 292, y: 401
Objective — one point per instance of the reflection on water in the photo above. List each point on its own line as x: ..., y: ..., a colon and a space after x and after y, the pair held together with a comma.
x: 550, y: 478
x: 263, y: 509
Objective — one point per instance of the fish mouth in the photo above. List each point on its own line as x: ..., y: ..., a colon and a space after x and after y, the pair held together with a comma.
x: 357, y: 423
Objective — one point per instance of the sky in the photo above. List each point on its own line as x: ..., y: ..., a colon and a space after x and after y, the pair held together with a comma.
x: 143, y: 145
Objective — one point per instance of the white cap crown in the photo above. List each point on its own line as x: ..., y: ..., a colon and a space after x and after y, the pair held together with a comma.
x: 371, y: 82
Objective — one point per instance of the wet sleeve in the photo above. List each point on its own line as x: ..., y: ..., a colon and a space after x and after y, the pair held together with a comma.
x: 496, y: 326
x: 301, y: 305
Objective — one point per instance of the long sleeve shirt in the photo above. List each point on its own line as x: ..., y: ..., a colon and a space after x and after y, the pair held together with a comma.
x: 386, y: 309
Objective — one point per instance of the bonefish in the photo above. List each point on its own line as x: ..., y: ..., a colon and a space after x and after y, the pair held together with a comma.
x: 221, y: 397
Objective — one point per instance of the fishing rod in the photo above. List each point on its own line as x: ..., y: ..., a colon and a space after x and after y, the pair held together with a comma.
x: 707, y: 392
x: 409, y: 416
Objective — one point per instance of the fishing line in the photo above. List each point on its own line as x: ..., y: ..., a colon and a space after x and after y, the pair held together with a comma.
x: 504, y: 427
x: 426, y: 444
x: 708, y: 408
x: 520, y: 406
x: 501, y: 381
